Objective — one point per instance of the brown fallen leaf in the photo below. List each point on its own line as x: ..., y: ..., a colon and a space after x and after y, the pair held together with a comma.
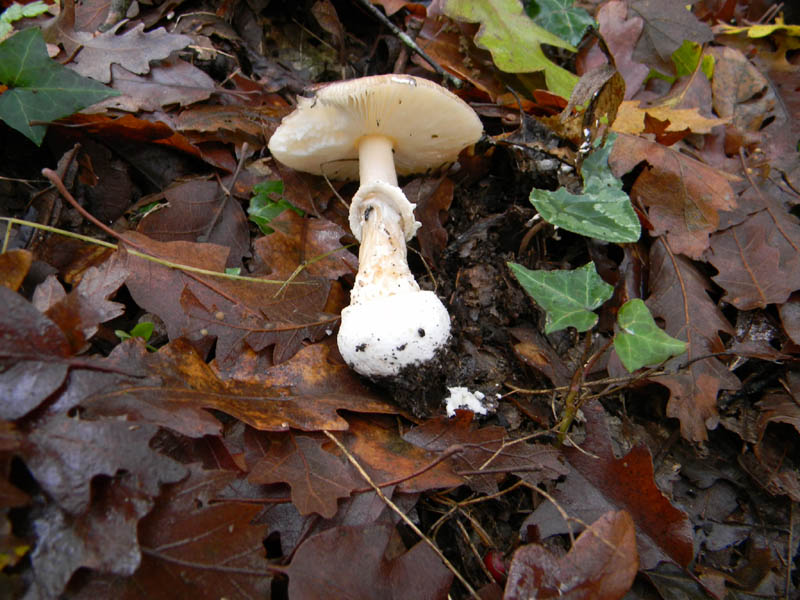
x: 65, y: 454
x: 14, y: 266
x: 631, y: 118
x: 133, y: 49
x: 758, y: 260
x: 171, y: 81
x: 790, y: 317
x: 378, y: 447
x: 193, y: 547
x: 740, y: 92
x: 80, y: 312
x: 683, y: 194
x: 180, y: 386
x: 317, y: 478
x: 620, y: 31
x: 316, y: 244
x: 666, y: 25
x: 600, y: 565
x: 235, y: 312
x: 489, y: 449
x: 325, y: 564
x: 35, y: 352
x: 103, y: 539
x: 679, y: 296
x: 199, y: 210
x: 432, y: 197
x: 599, y: 482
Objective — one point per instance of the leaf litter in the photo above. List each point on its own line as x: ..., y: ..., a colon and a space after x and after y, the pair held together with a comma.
x: 200, y: 464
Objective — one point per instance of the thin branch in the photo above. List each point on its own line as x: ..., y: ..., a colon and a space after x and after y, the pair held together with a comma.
x: 402, y: 515
x: 271, y: 569
x: 403, y: 36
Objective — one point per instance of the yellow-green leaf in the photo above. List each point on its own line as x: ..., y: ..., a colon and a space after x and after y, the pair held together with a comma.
x: 514, y: 40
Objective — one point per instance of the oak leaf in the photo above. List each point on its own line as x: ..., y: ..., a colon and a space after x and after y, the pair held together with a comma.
x: 362, y: 563
x: 758, y: 260
x: 600, y: 565
x: 679, y: 296
x: 684, y: 195
x: 599, y: 482
x: 318, y: 478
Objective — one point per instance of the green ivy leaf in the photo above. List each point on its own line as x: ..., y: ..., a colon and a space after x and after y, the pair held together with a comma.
x: 40, y: 89
x: 640, y: 342
x: 561, y: 18
x: 603, y: 211
x: 16, y: 12
x: 514, y: 40
x: 267, y: 203
x: 568, y: 297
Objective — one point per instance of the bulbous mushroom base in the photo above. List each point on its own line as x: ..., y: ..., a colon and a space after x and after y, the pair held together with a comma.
x: 381, y: 337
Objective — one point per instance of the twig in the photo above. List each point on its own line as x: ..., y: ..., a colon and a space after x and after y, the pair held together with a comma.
x: 271, y: 569
x: 227, y: 194
x: 372, y: 9
x: 441, y: 458
x: 402, y: 515
x: 161, y: 261
x: 789, y: 545
x: 472, y: 547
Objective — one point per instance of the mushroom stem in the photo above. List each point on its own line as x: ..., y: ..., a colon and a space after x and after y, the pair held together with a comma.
x: 376, y: 160
x: 382, y: 260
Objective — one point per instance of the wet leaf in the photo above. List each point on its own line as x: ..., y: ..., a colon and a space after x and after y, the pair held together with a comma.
x: 40, y: 89
x: 194, y: 547
x: 180, y: 387
x: 684, y: 195
x: 667, y: 24
x: 486, y: 448
x: 132, y: 50
x: 562, y: 18
x: 641, y: 342
x: 64, y: 454
x: 602, y: 211
x: 317, y: 477
x: 379, y: 448
x: 758, y: 260
x: 324, y: 565
x: 600, y: 565
x: 599, y: 482
x: 514, y: 39
x: 568, y: 297
x: 104, y: 538
x: 14, y: 266
x: 679, y: 296
x: 35, y: 352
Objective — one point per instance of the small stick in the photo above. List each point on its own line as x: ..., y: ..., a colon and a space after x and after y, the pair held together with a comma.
x: 402, y: 515
x: 403, y: 36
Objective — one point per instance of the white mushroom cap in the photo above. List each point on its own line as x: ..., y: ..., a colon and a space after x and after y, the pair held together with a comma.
x: 427, y: 124
x: 381, y: 337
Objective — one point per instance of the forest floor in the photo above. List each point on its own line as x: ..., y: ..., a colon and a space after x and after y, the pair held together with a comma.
x: 176, y: 420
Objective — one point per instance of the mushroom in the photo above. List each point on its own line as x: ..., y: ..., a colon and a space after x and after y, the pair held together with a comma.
x: 374, y: 128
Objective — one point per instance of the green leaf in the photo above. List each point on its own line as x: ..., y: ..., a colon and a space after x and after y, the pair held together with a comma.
x: 142, y: 330
x: 40, y: 89
x: 561, y: 18
x: 267, y: 203
x: 641, y: 342
x: 568, y: 297
x: 17, y: 11
x: 603, y: 211
x: 514, y: 40
x: 688, y: 55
